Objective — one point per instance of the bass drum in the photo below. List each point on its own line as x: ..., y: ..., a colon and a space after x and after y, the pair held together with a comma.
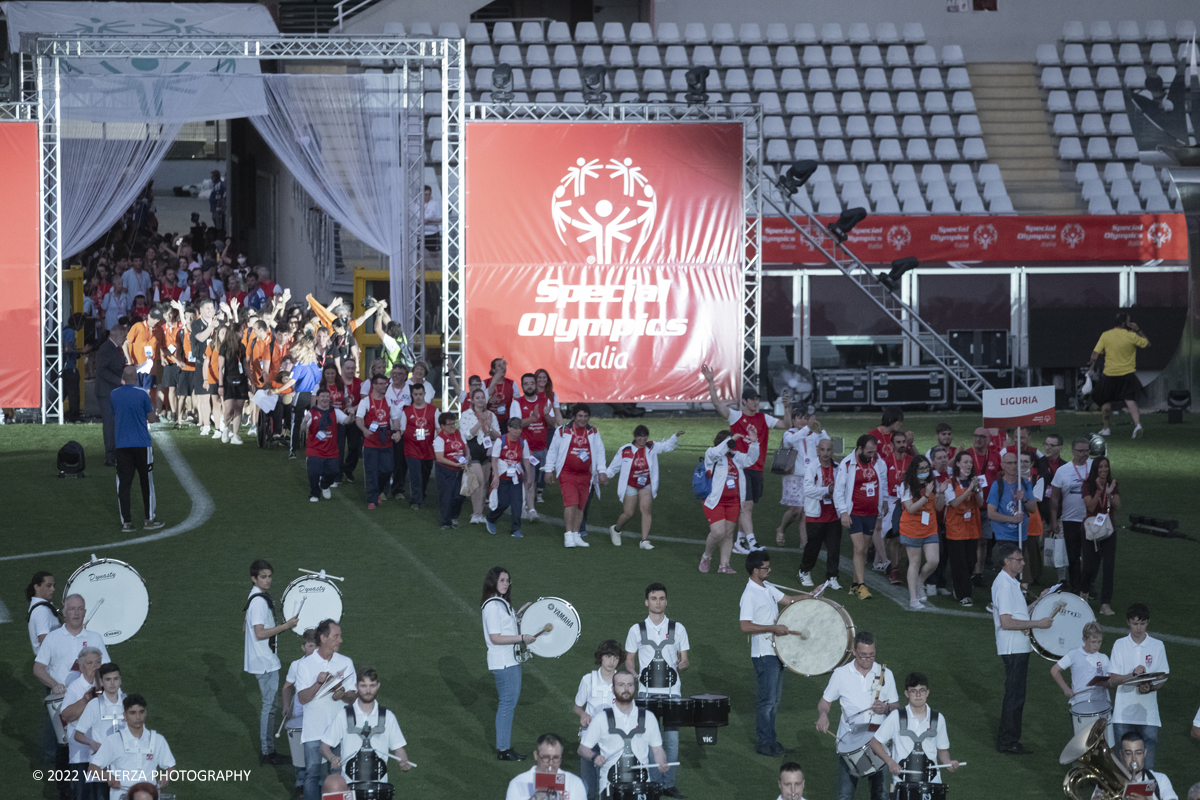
x: 315, y: 599
x: 821, y: 639
x: 1066, y: 632
x: 115, y: 598
x: 564, y: 624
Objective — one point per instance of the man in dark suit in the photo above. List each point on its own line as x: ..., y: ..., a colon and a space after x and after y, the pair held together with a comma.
x: 110, y: 362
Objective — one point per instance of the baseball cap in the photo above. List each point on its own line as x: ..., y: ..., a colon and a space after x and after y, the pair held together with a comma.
x: 749, y: 394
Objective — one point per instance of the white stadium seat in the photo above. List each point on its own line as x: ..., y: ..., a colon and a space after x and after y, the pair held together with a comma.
x: 940, y: 125
x: 532, y: 33
x: 852, y: 103
x: 804, y: 33
x: 897, y: 56
x: 859, y: 33
x: 831, y: 33
x: 1064, y: 125
x: 1156, y: 30
x: 974, y: 149
x: 504, y: 33
x: 750, y: 33
x: 620, y: 56
x: 695, y: 33
x: 1102, y: 54
x: 1074, y: 54
x: 902, y: 79
x: 777, y: 33
x: 1108, y: 78
x: 889, y: 150
x: 722, y: 33
x: 1129, y: 53
x: 870, y: 55
x: 914, y: 33
x: 641, y: 33
x: 972, y: 205
x: 1080, y: 78
x: 885, y: 127
x: 1073, y: 31
x: 814, y: 56
x: 668, y: 33
x: 924, y: 56
x: 537, y: 56
x: 886, y: 33
x: 1047, y: 55
x: 952, y: 55
x: 1093, y: 125
x: 1098, y: 148
x: 935, y: 103
x: 1070, y: 149
x: 759, y: 56
x: 1001, y: 205
x: 787, y: 56
x: 841, y: 56
x: 818, y: 79
x: 880, y: 103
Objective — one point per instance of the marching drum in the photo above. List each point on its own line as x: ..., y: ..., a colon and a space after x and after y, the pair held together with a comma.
x: 1066, y: 632
x: 709, y: 712
x: 315, y: 599
x: 822, y: 637
x: 296, y: 746
x: 855, y: 751
x: 918, y: 762
x: 364, y: 766
x: 563, y: 622
x: 115, y: 596
x: 671, y: 712
x: 906, y: 790
x: 53, y: 707
x: 373, y: 791
x: 641, y: 790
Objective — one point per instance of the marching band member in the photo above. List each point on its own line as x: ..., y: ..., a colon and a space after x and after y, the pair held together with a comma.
x: 56, y: 662
x: 866, y: 691
x: 726, y: 468
x: 1088, y: 665
x: 758, y: 610
x: 365, y: 719
x: 576, y: 460
x: 596, y: 692
x: 548, y: 756
x: 293, y: 712
x: 1135, y: 758
x: 500, y: 633
x: 915, y: 726
x: 1136, y: 707
x: 82, y: 691
x: 103, y: 716
x: 625, y: 736
x: 791, y: 782
x: 133, y: 754
x: 860, y: 498
x: 43, y: 617
x: 325, y: 666
x: 260, y: 632
x: 661, y: 646
x: 510, y: 462
x: 637, y: 463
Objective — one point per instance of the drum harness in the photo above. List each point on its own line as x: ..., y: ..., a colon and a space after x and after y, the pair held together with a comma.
x: 918, y: 740
x: 366, y: 731
x: 627, y: 761
x: 658, y: 675
x: 271, y: 605
x: 53, y: 610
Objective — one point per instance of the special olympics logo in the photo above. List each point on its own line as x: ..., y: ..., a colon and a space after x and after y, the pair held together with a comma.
x: 1159, y: 234
x: 1073, y: 234
x: 985, y: 235
x: 602, y: 213
x: 898, y: 236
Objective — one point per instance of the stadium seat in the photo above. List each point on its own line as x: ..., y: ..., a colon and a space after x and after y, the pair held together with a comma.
x: 831, y: 33
x: 968, y: 125
x: 1167, y: 74
x: 801, y: 128
x: 1064, y: 125
x: 943, y: 205
x: 653, y: 80
x: 941, y: 126
x: 902, y: 79
x: 818, y: 79
x: 1156, y: 31
x: 897, y: 56
x: 917, y: 150
x: 1059, y: 102
x: 847, y: 174
x: 433, y: 80
x: 829, y: 127
x: 1127, y: 148
x: 759, y: 57
x: 915, y: 205
x: 538, y: 56
x: 902, y: 173
x: 882, y: 188
x: 777, y: 150
x: 620, y: 56
x: 931, y: 79
x: 1074, y: 54
x: 914, y: 33
x: 1093, y: 125
x: 1098, y: 148
x: 504, y: 33
x: 814, y: 56
x: 1160, y: 53
x: 1129, y: 53
x: 822, y: 188
x: 1129, y: 204
x: 736, y: 80
x: 859, y: 33
x: 541, y: 80
x: 908, y: 103
x: 965, y: 189
x: 887, y: 205
x: 829, y: 206
x: 1185, y: 29
x: 857, y: 127
x: 1102, y: 54
x: 875, y: 173
x: 885, y: 127
x: 880, y: 103
x: 924, y: 56
x: 749, y: 33
x: 740, y: 98
x: 477, y: 33
x: 558, y: 33
x: 641, y: 33
x: 667, y: 33
x: 912, y: 126
x: 1070, y: 149
x: 972, y: 205
x: 841, y: 56
x: 1114, y: 101
x: 787, y: 56
x: 1101, y: 31
x: 435, y: 151
x: 847, y: 80
x: 1093, y: 188
x: 988, y: 172
x: 790, y: 80
x: 777, y: 33
x: 565, y: 56
x: 935, y: 103
x: 764, y: 81
x: 703, y: 56
x: 1080, y: 78
x: 862, y: 150
x: 695, y: 33
x: 804, y: 33
x: 1086, y: 101
x: 510, y: 54
x: 974, y: 149
x: 1052, y: 78
x: 678, y: 81
x: 676, y: 56
x: 952, y: 55
x: 1114, y: 171
x: 796, y: 103
x: 961, y: 173
x: 1001, y: 205
x: 1150, y: 188
x: 889, y: 150
x: 1047, y: 55
x: 730, y: 57
x: 932, y: 173
x: 886, y: 33
x: 875, y: 79
x: 1144, y: 173
x: 870, y: 56
x: 1073, y: 32
x: 482, y: 56
x: 722, y: 33
x: 806, y: 149
x: 1158, y: 205
x: 1108, y: 78
x: 625, y: 80
x: 532, y: 33
x: 852, y: 103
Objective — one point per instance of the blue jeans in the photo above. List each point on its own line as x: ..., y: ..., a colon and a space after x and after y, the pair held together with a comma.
x: 846, y: 784
x: 670, y: 737
x: 509, y: 496
x: 590, y: 777
x: 1149, y: 736
x: 377, y: 464
x: 418, y: 478
x: 508, y: 687
x: 769, y: 671
x: 315, y: 770
x: 268, y: 687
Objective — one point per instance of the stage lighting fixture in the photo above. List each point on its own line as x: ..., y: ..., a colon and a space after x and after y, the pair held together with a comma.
x: 900, y: 266
x: 697, y: 86
x: 593, y: 84
x: 846, y: 222
x: 502, y: 81
x: 796, y: 176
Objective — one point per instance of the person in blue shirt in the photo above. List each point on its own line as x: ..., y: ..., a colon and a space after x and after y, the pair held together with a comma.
x: 132, y: 413
x: 1009, y: 499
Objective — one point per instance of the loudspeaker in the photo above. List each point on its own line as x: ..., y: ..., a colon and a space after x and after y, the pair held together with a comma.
x: 71, y: 460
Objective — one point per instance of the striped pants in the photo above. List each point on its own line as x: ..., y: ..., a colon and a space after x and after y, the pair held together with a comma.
x: 132, y: 460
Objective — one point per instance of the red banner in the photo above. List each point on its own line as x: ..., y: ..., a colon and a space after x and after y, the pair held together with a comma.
x: 608, y: 254
x: 20, y: 270
x: 879, y: 240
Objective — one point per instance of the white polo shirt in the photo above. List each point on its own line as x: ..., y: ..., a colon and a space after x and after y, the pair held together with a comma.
x: 258, y: 659
x: 1007, y: 598
x: 1069, y: 480
x: 76, y: 689
x: 60, y: 649
x: 593, y: 693
x: 902, y: 746
x: 760, y: 605
x: 670, y: 653
x: 498, y: 618
x: 134, y: 759
x: 612, y: 745
x: 99, y: 720
x: 1132, y: 707
x: 523, y: 786
x: 1084, y: 667
x: 297, y: 718
x: 318, y: 714
x: 41, y: 621
x: 856, y: 693
x: 384, y: 739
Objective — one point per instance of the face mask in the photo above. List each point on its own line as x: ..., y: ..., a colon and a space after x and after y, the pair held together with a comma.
x: 241, y: 259
x: 924, y: 476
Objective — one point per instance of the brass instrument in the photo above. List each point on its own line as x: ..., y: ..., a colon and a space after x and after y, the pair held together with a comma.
x: 1093, y: 764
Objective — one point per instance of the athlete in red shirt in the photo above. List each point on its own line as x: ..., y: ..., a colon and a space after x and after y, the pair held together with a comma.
x: 450, y: 452
x: 575, y: 456
x: 892, y: 420
x: 352, y: 445
x: 322, y: 423
x: 892, y: 552
x: 510, y: 462
x: 375, y: 419
x: 532, y: 410
x: 500, y: 391
x: 418, y: 423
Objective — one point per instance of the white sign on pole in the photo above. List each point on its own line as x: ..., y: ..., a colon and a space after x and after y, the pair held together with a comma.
x: 1018, y: 408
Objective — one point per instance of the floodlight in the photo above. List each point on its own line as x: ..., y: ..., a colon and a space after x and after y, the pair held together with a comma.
x: 593, y: 84
x: 796, y: 176
x: 697, y: 86
x: 846, y: 222
x: 900, y: 266
x: 502, y: 80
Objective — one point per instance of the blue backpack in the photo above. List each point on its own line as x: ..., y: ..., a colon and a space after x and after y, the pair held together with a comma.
x: 701, y: 482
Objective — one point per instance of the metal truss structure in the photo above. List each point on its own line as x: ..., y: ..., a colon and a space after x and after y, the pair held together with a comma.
x: 920, y: 332
x: 458, y: 114
x: 40, y: 79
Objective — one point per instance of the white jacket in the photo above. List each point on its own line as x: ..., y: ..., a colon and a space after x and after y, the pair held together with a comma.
x: 805, y: 442
x: 843, y: 493
x: 717, y: 466
x: 623, y: 464
x: 560, y: 442
x: 815, y: 490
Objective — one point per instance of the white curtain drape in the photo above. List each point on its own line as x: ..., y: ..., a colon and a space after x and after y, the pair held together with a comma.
x: 339, y: 135
x: 105, y: 166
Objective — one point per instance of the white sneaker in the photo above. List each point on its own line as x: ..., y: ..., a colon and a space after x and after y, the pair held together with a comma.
x: 252, y: 430
x: 218, y: 433
x: 476, y: 519
x: 540, y: 498
x: 645, y: 545
x: 224, y: 437
x: 752, y: 543
x: 568, y: 539
x: 313, y: 500
x: 533, y: 515
x: 806, y: 578
x: 930, y: 590
x: 579, y: 540
x: 333, y: 485
x: 204, y: 431
x: 235, y: 439
x: 740, y: 547
x: 916, y: 604
x: 328, y: 495
x: 614, y: 535
x: 943, y: 591
x: 882, y: 566
x: 1106, y: 432
x: 833, y: 584
x: 1136, y: 431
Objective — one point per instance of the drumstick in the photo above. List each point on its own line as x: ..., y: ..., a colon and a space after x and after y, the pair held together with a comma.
x: 790, y: 589
x: 397, y: 758
x: 935, y: 766
x: 303, y: 600
x: 281, y: 724
x: 94, y: 610
x: 802, y: 634
x: 322, y: 574
x: 546, y: 629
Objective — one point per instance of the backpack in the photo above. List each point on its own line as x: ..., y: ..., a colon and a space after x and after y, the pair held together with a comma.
x: 71, y: 460
x: 701, y: 482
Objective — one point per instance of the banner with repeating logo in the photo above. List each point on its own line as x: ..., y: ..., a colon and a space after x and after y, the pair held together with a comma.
x: 20, y: 269
x: 1123, y: 238
x: 609, y: 254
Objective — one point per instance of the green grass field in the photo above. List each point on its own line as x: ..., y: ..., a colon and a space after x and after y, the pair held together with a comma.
x: 411, y: 610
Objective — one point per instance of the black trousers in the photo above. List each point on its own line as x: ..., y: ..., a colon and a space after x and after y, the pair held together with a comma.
x: 1073, y: 537
x: 350, y: 444
x: 961, y: 555
x: 303, y: 403
x: 322, y: 473
x: 110, y: 436
x: 1097, y: 555
x: 449, y: 482
x: 823, y: 533
x: 399, y: 470
x: 1016, y: 670
x: 131, y: 460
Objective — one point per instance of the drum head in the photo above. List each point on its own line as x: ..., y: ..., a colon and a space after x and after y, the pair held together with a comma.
x: 123, y: 591
x: 1066, y: 632
x: 827, y: 636
x: 853, y: 742
x: 563, y: 621
x: 317, y: 600
x: 1091, y: 703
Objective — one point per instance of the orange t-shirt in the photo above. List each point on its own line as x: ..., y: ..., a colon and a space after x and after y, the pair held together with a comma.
x: 1035, y: 524
x: 212, y: 364
x: 921, y: 525
x: 184, y: 342
x: 258, y: 351
x: 143, y: 344
x: 963, y: 521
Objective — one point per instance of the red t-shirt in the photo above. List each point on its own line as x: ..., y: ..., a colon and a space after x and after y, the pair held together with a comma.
x: 170, y: 292
x: 742, y: 423
x: 337, y: 398
x: 896, y: 468
x: 452, y: 447
x: 828, y: 512
x: 987, y: 466
x: 500, y: 399
x: 353, y: 387
x: 534, y: 432
x: 639, y: 470
x: 883, y: 442
x: 865, y: 495
x: 730, y: 494
x: 420, y: 426
x: 379, y: 412
x: 510, y: 456
x: 322, y: 444
x: 579, y: 452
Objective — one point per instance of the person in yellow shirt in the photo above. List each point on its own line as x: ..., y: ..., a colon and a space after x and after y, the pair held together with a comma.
x: 1119, y: 346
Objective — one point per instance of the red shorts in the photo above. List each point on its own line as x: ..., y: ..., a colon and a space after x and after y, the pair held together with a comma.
x: 725, y: 510
x: 575, y: 488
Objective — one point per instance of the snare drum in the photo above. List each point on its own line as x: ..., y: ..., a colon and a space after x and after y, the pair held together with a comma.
x: 641, y: 790
x: 564, y: 624
x: 373, y: 791
x: 671, y: 712
x: 825, y: 639
x: 920, y: 791
x: 1066, y: 632
x: 123, y: 592
x: 316, y: 599
x: 53, y: 707
x: 365, y: 766
x: 296, y: 746
x: 855, y: 751
x: 709, y: 712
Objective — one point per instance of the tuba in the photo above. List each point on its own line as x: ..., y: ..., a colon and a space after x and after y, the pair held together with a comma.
x: 1093, y: 764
